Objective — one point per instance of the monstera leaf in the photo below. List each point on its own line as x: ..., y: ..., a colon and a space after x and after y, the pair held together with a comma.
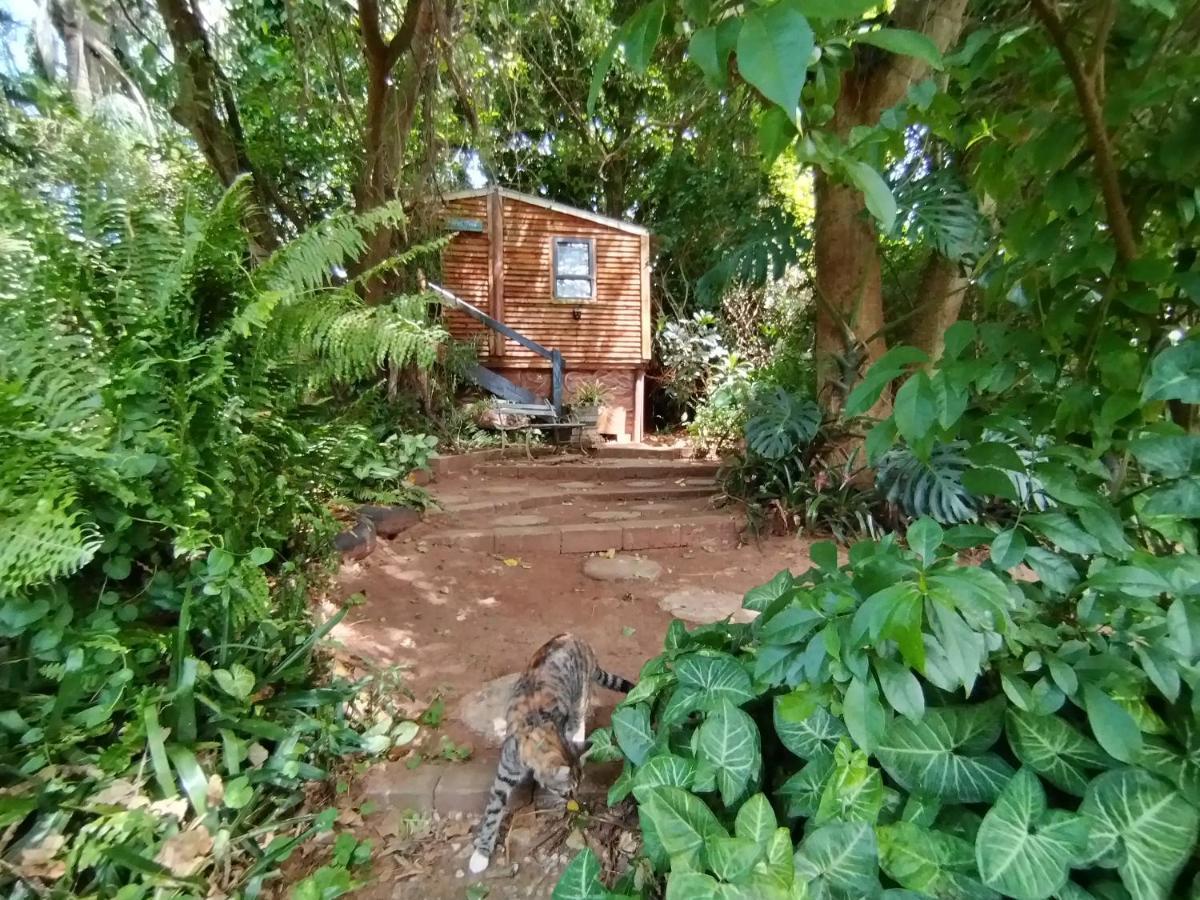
x: 1024, y: 850
x: 729, y: 741
x: 1055, y: 750
x: 934, y: 488
x: 1140, y: 825
x: 943, y: 754
x: 937, y: 210
x: 839, y: 861
x: 781, y: 422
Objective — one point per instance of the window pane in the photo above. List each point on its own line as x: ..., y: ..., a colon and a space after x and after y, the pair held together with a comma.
x: 574, y: 258
x: 573, y: 288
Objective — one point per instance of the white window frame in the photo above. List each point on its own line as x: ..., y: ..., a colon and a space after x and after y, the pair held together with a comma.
x: 554, y: 276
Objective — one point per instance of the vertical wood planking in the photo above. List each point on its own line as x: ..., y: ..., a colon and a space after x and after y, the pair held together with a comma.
x: 639, y: 404
x: 495, y: 226
x: 645, y: 268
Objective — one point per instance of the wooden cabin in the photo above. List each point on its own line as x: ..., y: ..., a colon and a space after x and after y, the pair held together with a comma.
x: 565, y: 278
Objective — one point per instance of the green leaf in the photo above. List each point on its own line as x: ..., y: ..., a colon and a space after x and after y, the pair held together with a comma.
x: 260, y: 556
x: 836, y: 9
x: 1167, y: 455
x: 995, y: 454
x: 732, y: 858
x: 942, y: 755
x: 1008, y: 549
x: 220, y: 562
x: 663, y: 770
x: 903, y: 42
x: 1179, y: 498
x: 1055, y: 750
x: 806, y: 737
x: 685, y: 885
x: 1140, y: 825
x: 901, y: 688
x: 882, y: 372
x: 1114, y: 728
x: 631, y: 726
x: 1024, y: 850
x: 603, y: 748
x: 191, y: 776
x: 758, y: 599
x: 682, y: 823
x: 238, y: 792
x: 933, y: 863
x: 853, y: 790
x: 710, y: 47
x: 1056, y: 573
x: 773, y: 51
x: 600, y: 71
x: 714, y: 679
x: 915, y: 408
x: 894, y: 613
x: 988, y: 482
x: 882, y: 205
x: 756, y: 820
x: 1061, y: 530
x: 864, y: 716
x: 729, y: 740
x: 640, y: 34
x: 581, y: 879
x: 839, y: 860
x: 802, y: 791
x: 155, y: 741
x: 237, y: 681
x: 924, y: 538
x: 1175, y: 374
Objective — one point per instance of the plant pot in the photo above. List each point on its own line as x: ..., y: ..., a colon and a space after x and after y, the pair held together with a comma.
x: 587, y: 415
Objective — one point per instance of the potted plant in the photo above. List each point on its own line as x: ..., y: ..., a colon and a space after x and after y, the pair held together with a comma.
x: 586, y: 401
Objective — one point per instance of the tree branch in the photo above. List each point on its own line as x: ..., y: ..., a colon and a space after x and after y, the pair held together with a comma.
x: 1093, y: 120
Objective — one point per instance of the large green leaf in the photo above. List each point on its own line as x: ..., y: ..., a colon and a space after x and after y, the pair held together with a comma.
x: 714, y: 679
x: 839, y: 861
x: 903, y: 42
x: 581, y: 879
x: 863, y: 714
x: 835, y: 9
x: 853, y: 791
x: 663, y: 770
x: 1179, y: 498
x: 1023, y: 849
x: 943, y: 754
x: 1140, y: 825
x: 901, y: 688
x: 815, y: 733
x: 758, y: 598
x: 882, y: 372
x: 1175, y: 374
x: 732, y: 858
x: 1167, y: 455
x: 934, y: 863
x: 756, y: 820
x: 882, y: 205
x: 781, y: 422
x: 729, y: 741
x: 802, y: 791
x: 1114, y: 727
x: 709, y: 48
x: 640, y: 34
x: 894, y: 613
x: 1179, y: 766
x: 1055, y: 750
x: 682, y: 823
x: 1063, y: 531
x: 631, y: 726
x: 773, y: 51
x: 932, y: 487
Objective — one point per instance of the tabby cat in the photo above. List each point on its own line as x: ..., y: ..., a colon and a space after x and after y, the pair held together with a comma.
x: 546, y: 724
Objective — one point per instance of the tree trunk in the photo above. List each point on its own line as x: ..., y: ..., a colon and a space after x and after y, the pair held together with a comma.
x: 939, y: 299
x: 850, y: 318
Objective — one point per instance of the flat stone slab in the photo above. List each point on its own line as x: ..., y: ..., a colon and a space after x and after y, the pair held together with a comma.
x: 485, y: 710
x: 519, y: 521
x: 613, y: 515
x: 452, y: 498
x: 576, y: 485
x: 701, y: 605
x: 645, y: 483
x: 621, y: 568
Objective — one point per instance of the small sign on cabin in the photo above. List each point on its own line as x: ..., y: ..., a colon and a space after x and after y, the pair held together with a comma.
x: 456, y: 224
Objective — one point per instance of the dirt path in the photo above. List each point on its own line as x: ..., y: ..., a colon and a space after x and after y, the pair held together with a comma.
x: 455, y: 618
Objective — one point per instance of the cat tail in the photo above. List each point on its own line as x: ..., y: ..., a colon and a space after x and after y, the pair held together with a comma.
x: 612, y: 682
x: 509, y: 774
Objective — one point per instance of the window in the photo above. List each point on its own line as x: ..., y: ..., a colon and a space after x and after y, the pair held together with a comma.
x: 574, y: 269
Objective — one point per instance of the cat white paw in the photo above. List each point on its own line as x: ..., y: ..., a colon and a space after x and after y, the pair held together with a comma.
x: 478, y: 863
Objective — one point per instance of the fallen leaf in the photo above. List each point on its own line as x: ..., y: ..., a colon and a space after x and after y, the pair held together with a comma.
x: 609, y: 553
x: 123, y: 793
x: 175, y: 807
x: 184, y: 853
x: 215, y: 792
x: 573, y: 805
x: 628, y: 631
x: 257, y: 755
x: 349, y: 818
x: 512, y: 562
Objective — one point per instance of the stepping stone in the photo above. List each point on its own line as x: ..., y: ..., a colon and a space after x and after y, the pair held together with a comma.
x: 485, y: 711
x: 621, y: 568
x: 645, y: 483
x: 576, y: 485
x: 519, y: 521
x: 613, y: 515
x: 701, y: 605
x: 506, y: 489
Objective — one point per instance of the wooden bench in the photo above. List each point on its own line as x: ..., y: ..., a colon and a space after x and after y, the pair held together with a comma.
x: 554, y: 427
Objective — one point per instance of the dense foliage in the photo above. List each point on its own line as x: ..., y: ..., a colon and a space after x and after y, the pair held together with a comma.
x: 169, y: 450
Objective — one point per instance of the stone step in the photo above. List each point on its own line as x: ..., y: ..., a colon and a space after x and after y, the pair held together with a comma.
x: 605, y: 469
x: 533, y: 497
x: 594, y: 537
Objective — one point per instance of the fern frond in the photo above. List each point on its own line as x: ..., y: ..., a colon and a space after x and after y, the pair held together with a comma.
x: 42, y: 539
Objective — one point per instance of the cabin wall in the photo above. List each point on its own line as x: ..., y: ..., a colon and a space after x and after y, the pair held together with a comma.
x: 610, y: 339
